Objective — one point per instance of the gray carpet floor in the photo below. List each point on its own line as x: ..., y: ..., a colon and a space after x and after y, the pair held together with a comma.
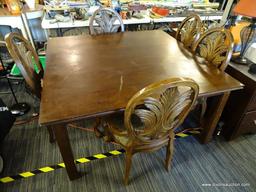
x: 194, y: 168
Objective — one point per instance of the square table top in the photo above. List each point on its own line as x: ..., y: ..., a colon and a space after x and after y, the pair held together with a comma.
x: 88, y: 76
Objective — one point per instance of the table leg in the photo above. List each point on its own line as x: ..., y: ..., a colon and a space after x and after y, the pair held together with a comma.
x: 212, y: 117
x: 59, y: 32
x: 61, y: 136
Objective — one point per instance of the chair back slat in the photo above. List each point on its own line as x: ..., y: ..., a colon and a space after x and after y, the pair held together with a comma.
x: 26, y: 58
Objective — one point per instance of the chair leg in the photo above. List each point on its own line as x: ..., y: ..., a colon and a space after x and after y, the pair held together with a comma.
x: 169, y: 151
x: 97, y: 132
x: 203, y: 110
x: 51, y: 134
x: 128, y: 163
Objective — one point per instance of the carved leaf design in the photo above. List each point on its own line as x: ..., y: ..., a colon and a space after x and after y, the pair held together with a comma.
x: 180, y: 103
x: 214, y: 50
x: 106, y: 23
x: 189, y: 32
x: 162, y: 114
x: 151, y: 116
x: 29, y: 60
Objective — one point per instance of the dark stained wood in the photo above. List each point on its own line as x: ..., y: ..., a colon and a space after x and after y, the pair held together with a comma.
x: 240, y: 112
x: 61, y: 134
x: 248, y: 123
x: 252, y: 104
x: 213, y: 116
x: 51, y: 134
x: 88, y: 76
x: 169, y: 151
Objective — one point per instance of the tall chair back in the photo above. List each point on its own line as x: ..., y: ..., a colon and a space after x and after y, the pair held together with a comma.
x: 189, y: 30
x: 161, y: 107
x: 215, y: 46
x: 150, y: 118
x: 26, y: 60
x: 105, y: 20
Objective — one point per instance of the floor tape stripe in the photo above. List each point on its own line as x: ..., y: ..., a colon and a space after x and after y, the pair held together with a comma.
x: 51, y: 168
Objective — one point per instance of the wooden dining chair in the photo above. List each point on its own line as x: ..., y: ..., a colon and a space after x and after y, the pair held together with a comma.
x: 105, y: 20
x: 215, y: 47
x: 26, y: 60
x: 29, y: 65
x: 189, y: 30
x: 150, y: 118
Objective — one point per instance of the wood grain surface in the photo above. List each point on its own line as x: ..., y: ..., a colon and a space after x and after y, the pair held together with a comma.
x: 92, y: 75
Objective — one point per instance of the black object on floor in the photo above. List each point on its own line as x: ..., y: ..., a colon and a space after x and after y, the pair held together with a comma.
x: 17, y: 109
x: 252, y: 69
x: 6, y: 122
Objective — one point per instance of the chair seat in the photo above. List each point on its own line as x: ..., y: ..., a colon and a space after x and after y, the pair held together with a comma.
x: 116, y: 121
x: 123, y: 140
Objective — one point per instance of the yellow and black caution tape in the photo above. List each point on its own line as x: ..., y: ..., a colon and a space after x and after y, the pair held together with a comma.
x: 50, y: 168
x: 188, y: 132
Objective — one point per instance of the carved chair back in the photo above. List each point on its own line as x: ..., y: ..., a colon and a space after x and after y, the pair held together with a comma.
x: 159, y: 108
x: 107, y: 21
x: 215, y: 46
x: 189, y: 30
x: 26, y: 58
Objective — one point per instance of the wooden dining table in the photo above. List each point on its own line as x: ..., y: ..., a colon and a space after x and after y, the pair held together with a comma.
x: 91, y: 76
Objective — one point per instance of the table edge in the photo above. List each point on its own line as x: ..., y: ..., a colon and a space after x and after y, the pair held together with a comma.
x: 72, y: 119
